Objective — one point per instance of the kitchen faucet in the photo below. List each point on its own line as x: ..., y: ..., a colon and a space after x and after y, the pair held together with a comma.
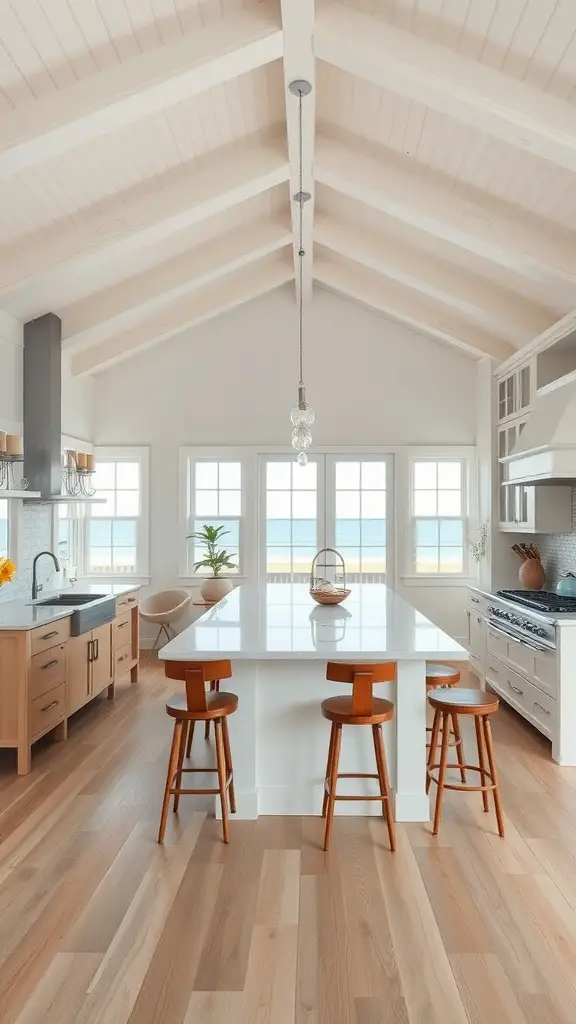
x: 38, y: 586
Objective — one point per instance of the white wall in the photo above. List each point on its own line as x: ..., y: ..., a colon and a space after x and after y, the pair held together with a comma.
x: 77, y: 404
x: 233, y: 381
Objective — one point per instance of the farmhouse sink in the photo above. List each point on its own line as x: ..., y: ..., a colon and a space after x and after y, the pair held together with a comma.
x: 90, y: 610
x: 71, y: 599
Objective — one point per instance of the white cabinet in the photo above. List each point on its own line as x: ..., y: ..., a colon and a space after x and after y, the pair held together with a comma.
x: 515, y: 393
x: 526, y: 509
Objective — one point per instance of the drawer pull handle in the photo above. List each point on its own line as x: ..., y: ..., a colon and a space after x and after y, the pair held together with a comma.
x: 52, y: 704
x: 123, y: 658
x: 515, y: 688
x: 131, y: 600
x: 494, y: 670
x: 122, y: 625
x: 50, y: 664
x: 48, y: 636
x: 537, y: 705
x: 474, y: 600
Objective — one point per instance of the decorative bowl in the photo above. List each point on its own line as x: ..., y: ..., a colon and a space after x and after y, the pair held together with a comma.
x: 334, y: 596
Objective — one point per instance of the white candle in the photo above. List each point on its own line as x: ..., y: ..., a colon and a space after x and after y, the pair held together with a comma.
x: 14, y: 444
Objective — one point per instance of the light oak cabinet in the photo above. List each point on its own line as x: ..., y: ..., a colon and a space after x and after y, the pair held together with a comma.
x: 46, y: 675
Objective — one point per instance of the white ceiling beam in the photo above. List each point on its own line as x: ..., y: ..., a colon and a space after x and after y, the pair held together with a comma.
x: 501, y: 312
x: 148, y: 212
x: 299, y: 63
x: 509, y: 239
x: 136, y: 89
x: 474, y: 93
x: 220, y: 297
x: 408, y: 307
x: 119, y: 307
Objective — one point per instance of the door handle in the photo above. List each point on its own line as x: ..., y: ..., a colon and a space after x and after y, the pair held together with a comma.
x: 90, y: 650
x: 96, y: 649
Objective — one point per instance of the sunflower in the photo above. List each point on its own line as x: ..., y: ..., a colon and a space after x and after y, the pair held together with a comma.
x: 7, y: 570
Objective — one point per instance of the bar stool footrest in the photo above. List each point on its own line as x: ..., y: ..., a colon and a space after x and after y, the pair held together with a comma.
x: 465, y: 788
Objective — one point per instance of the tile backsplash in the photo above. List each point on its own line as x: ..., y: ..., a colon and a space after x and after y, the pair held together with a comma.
x: 34, y: 534
x: 559, y: 551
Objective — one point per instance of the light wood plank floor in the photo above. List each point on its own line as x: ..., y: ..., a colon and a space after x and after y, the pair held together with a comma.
x: 99, y: 924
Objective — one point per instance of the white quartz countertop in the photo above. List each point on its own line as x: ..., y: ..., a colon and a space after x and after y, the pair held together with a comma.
x: 281, y: 620
x: 27, y: 614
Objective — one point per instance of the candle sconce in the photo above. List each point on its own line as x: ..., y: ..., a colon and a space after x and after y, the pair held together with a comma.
x: 11, y: 456
x: 77, y: 473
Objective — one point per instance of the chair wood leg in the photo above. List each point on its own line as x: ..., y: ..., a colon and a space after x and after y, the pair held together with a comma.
x: 433, y: 744
x: 328, y: 768
x: 380, y: 751
x: 481, y: 758
x: 332, y: 786
x: 190, y: 738
x: 493, y: 773
x: 441, y: 772
x: 229, y: 768
x: 172, y: 764
x: 154, y: 646
x: 221, y: 762
x: 459, y: 746
x: 181, y: 752
x: 214, y: 688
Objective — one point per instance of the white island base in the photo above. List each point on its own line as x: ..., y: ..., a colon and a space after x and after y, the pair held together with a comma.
x: 279, y: 642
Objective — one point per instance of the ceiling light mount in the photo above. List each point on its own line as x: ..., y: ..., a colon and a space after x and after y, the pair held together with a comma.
x: 300, y: 87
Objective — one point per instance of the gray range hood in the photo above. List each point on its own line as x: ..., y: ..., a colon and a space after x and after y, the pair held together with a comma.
x: 43, y: 410
x: 545, y: 452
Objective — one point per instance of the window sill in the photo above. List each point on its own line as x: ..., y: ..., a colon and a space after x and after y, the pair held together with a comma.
x: 438, y: 581
x: 191, y: 580
x: 139, y: 580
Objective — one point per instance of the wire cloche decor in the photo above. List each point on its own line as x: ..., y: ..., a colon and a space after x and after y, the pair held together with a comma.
x: 328, y: 577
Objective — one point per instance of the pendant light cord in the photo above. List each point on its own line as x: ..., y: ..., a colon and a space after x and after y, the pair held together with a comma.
x: 301, y: 240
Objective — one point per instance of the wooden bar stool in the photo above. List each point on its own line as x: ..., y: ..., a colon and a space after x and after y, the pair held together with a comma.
x: 362, y: 708
x: 446, y: 675
x: 196, y: 705
x: 447, y: 704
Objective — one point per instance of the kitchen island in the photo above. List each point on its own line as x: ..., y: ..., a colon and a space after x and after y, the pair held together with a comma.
x: 279, y: 641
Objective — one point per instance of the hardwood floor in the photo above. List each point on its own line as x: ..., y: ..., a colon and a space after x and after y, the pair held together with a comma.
x: 99, y: 924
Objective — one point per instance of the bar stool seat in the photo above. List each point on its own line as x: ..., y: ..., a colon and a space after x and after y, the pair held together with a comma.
x: 441, y: 675
x: 196, y: 705
x: 448, y: 704
x: 339, y: 709
x: 362, y: 708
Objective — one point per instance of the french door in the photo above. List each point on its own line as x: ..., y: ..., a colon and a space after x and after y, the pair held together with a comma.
x: 339, y: 501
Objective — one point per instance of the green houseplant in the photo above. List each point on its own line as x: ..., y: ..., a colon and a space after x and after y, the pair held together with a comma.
x: 216, y: 559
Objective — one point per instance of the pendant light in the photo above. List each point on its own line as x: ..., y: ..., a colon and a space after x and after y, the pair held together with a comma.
x: 302, y: 414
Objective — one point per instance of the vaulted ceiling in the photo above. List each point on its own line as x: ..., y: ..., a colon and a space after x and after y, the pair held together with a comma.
x: 149, y: 155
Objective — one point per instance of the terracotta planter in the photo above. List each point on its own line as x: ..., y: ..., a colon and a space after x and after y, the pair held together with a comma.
x: 215, y: 588
x: 531, y: 574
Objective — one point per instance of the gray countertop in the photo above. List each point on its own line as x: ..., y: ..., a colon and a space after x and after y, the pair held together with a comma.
x: 27, y: 614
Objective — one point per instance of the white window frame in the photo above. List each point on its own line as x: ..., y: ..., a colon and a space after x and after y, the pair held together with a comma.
x: 11, y: 530
x: 284, y: 456
x: 141, y: 455
x: 78, y: 530
x: 467, y: 456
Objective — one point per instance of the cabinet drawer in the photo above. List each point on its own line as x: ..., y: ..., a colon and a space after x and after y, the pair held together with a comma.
x: 47, y: 670
x: 50, y: 636
x: 48, y: 710
x: 122, y: 660
x: 122, y: 631
x: 476, y: 603
x: 537, y: 707
x: 539, y: 667
x: 126, y: 602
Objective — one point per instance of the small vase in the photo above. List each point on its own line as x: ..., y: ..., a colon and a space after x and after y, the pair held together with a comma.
x: 215, y: 589
x: 531, y: 574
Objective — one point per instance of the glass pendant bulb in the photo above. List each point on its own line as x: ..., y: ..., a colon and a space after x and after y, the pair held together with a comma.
x: 302, y: 459
x: 301, y: 438
x: 302, y: 414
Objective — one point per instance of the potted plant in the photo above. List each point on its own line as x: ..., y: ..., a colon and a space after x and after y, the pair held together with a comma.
x: 216, y: 586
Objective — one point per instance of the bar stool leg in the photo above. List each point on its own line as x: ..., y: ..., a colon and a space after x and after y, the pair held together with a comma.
x: 459, y: 746
x: 442, y: 772
x: 328, y: 768
x: 433, y: 744
x: 181, y: 752
x: 214, y: 688
x: 190, y: 738
x: 332, y: 785
x: 380, y: 752
x: 221, y: 762
x: 172, y: 763
x: 481, y: 759
x: 494, y: 774
x: 229, y: 767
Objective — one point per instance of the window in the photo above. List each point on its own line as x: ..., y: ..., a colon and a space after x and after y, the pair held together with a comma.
x: 360, y: 514
x: 67, y: 535
x: 438, y: 516
x: 215, y: 499
x: 291, y: 517
x: 117, y: 531
x: 4, y: 538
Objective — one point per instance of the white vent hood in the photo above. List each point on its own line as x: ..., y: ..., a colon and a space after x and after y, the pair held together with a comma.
x: 545, y: 452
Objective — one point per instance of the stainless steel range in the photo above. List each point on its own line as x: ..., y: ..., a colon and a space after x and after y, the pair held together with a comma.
x: 530, y: 630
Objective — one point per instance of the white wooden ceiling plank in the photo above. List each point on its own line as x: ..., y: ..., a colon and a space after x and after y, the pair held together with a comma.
x: 119, y: 307
x: 240, y: 287
x: 148, y: 212
x: 476, y: 27
x: 553, y: 47
x: 501, y: 32
x: 38, y: 27
x: 25, y: 66
x: 299, y: 63
x: 74, y: 44
x: 119, y: 29
x: 93, y: 28
x: 506, y: 237
x: 407, y: 306
x: 463, y: 89
x: 134, y: 90
x: 529, y: 31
